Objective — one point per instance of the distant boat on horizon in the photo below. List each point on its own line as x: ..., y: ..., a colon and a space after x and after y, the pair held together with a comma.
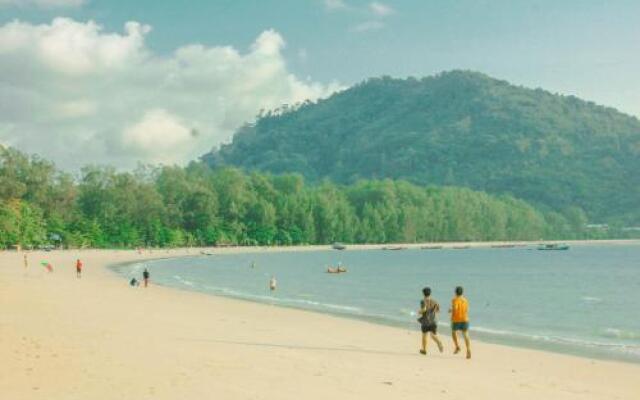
x: 338, y: 246
x: 553, y: 246
x: 394, y: 248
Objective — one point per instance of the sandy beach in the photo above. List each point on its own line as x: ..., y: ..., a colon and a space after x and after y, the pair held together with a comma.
x: 97, y: 338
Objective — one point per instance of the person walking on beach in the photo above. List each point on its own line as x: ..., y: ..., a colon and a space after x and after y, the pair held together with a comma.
x: 460, y: 320
x: 429, y: 308
x: 78, y: 268
x: 25, y: 261
x: 273, y: 283
x: 145, y: 276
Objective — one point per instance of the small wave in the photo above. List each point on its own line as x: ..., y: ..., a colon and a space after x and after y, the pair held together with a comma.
x: 620, y: 334
x: 404, y: 316
x: 408, y: 312
x: 285, y: 300
x: 183, y: 281
x: 328, y: 305
x: 133, y: 269
x: 589, y: 299
x: 620, y: 347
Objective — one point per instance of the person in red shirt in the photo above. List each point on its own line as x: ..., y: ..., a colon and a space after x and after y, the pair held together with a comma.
x: 78, y: 268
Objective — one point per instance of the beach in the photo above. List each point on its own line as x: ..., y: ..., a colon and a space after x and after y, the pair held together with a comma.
x: 97, y: 338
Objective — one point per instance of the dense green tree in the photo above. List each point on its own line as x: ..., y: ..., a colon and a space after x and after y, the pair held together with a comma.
x: 196, y: 205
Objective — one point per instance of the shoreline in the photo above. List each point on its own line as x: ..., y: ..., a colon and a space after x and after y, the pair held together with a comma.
x: 505, y: 339
x: 358, y: 246
x: 97, y: 338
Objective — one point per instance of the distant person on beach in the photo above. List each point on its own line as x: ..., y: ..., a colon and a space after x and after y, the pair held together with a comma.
x: 429, y: 308
x: 25, y: 261
x: 78, y: 268
x: 47, y: 265
x: 460, y: 320
x: 145, y: 276
x: 273, y: 283
x: 134, y: 282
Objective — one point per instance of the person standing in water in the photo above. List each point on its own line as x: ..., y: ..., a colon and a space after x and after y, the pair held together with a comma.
x: 78, y: 268
x: 460, y: 320
x: 429, y: 308
x: 273, y: 283
x: 145, y: 276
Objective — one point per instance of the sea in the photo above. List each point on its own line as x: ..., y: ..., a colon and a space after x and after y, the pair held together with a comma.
x: 583, y: 301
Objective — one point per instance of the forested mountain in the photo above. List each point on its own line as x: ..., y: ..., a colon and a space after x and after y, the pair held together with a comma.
x: 174, y: 206
x: 457, y: 129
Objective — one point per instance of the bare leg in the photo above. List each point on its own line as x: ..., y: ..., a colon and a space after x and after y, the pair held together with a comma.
x: 438, y: 342
x: 454, y: 336
x: 467, y: 343
x: 424, y: 344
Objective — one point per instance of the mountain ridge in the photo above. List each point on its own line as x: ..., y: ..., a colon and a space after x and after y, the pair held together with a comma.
x: 456, y: 128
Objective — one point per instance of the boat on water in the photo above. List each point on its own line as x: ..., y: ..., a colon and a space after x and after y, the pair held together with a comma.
x: 503, y: 246
x: 394, y: 248
x: 553, y: 246
x: 336, y: 270
x: 338, y: 246
x: 431, y: 247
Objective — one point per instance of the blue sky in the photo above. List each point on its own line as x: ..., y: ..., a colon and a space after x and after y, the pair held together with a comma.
x: 586, y: 48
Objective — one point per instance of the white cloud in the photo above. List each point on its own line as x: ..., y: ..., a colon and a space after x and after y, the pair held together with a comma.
x: 335, y: 5
x: 76, y: 94
x: 380, y: 9
x: 162, y: 131
x: 41, y: 3
x: 368, y: 26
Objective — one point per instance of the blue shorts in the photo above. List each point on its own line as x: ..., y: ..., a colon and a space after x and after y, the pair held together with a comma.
x: 460, y: 326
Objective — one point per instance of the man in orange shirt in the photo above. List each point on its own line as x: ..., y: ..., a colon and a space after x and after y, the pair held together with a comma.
x: 460, y: 320
x: 78, y: 268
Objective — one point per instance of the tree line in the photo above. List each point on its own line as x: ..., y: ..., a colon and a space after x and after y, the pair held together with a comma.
x: 171, y: 206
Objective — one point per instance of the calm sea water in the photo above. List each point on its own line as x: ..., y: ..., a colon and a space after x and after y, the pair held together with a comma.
x: 583, y: 301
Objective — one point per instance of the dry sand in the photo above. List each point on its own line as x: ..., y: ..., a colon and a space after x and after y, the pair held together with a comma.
x: 96, y: 338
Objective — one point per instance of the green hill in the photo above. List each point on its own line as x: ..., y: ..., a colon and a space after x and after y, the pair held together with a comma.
x: 457, y: 128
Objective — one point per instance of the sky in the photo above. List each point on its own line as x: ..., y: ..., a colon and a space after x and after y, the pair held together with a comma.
x: 124, y: 82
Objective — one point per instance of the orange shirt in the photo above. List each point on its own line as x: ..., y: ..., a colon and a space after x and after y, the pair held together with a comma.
x: 459, y: 309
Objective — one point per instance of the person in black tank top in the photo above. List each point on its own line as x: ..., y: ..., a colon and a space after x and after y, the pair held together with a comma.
x: 429, y: 308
